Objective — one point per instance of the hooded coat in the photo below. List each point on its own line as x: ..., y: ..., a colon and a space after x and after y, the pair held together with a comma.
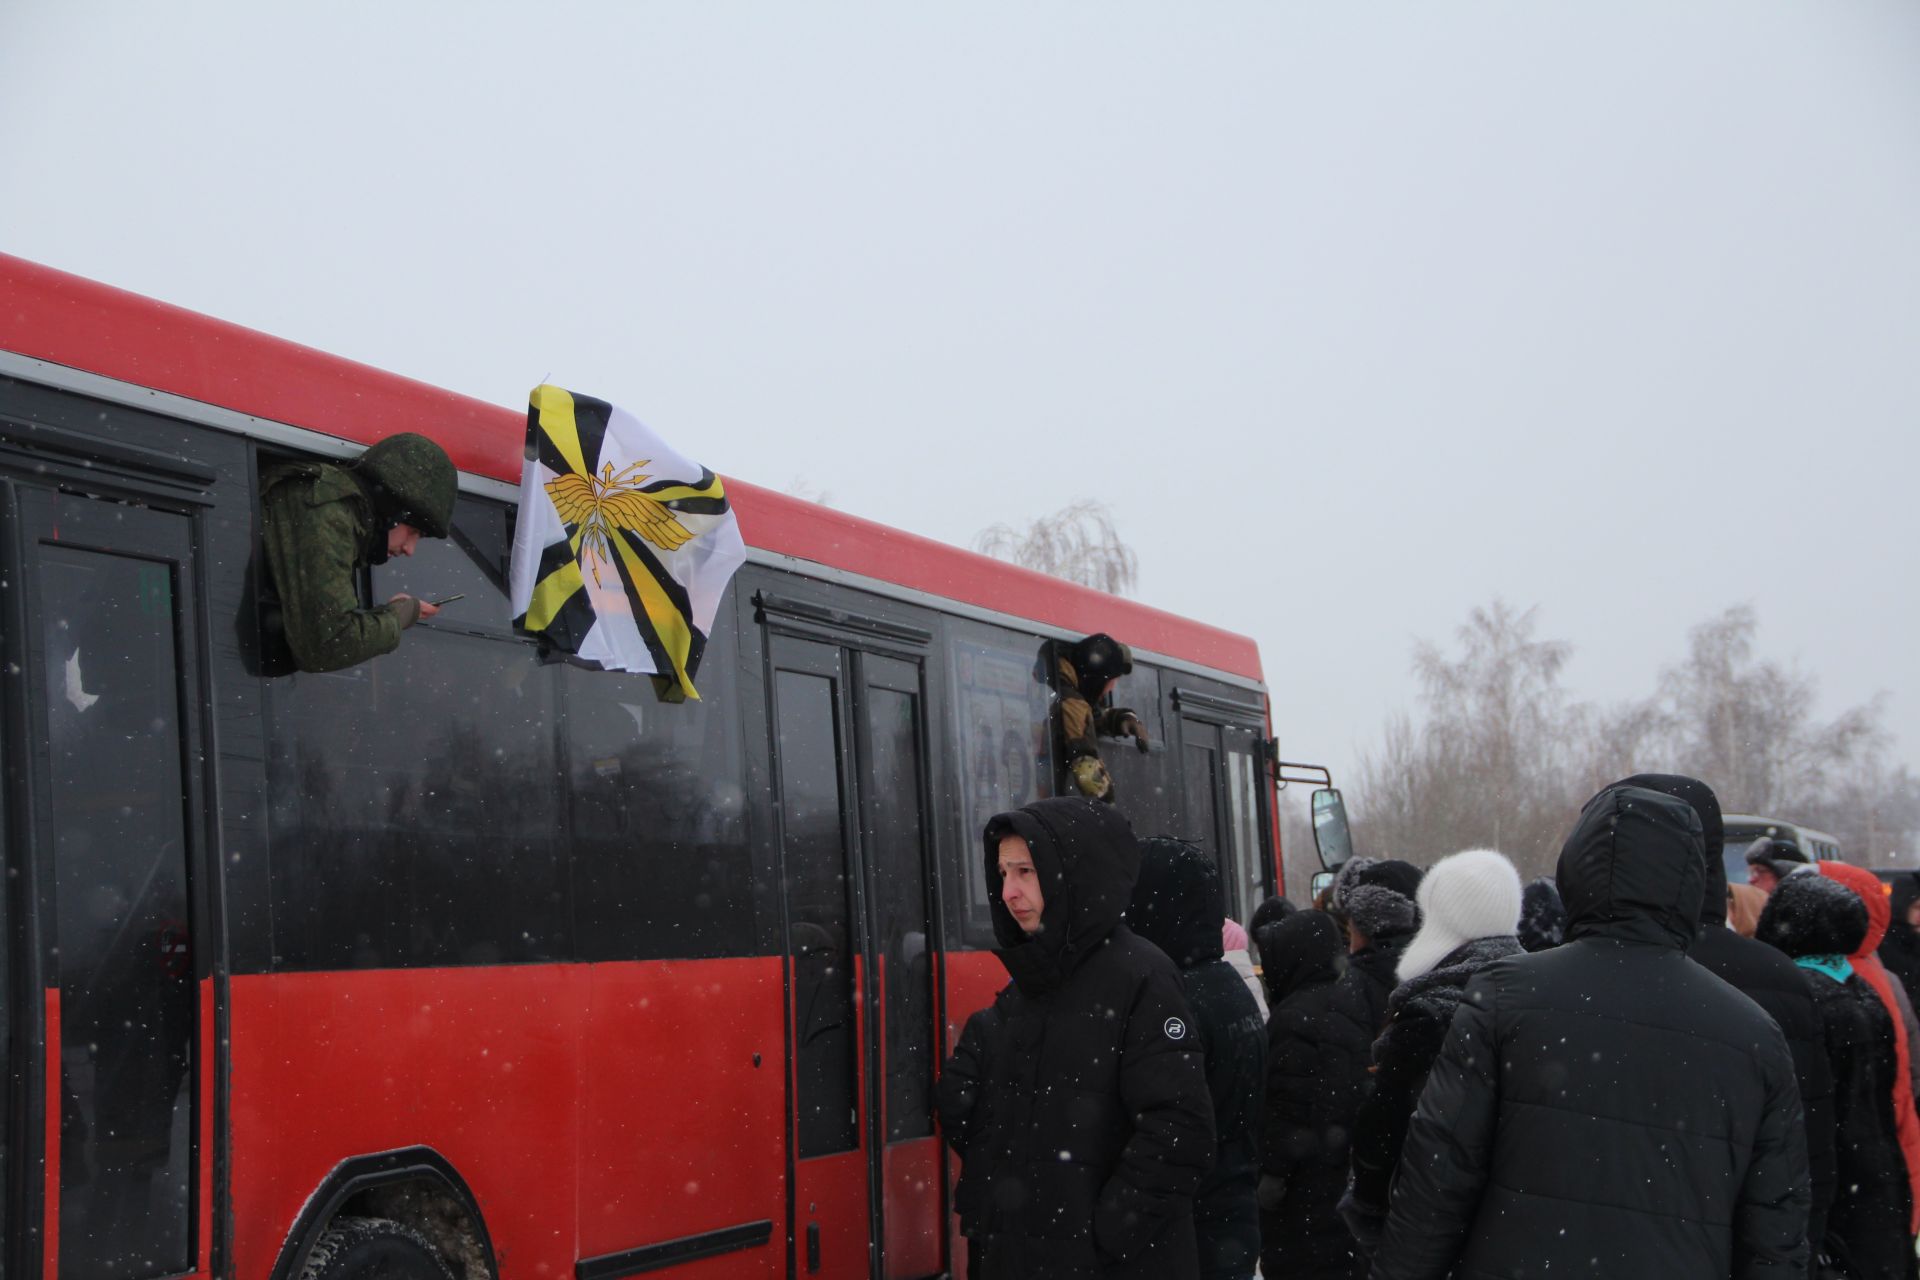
x: 1316, y: 1073
x: 1872, y: 894
x: 1900, y: 949
x: 1767, y: 978
x: 322, y: 523
x: 1095, y: 1125
x: 1177, y: 906
x: 1607, y: 1108
x: 1818, y: 921
x: 1469, y: 905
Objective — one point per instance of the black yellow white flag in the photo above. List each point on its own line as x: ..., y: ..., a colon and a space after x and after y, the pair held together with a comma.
x: 624, y: 547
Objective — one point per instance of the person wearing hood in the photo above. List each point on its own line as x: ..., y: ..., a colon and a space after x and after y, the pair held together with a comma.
x: 322, y: 523
x: 1469, y: 906
x: 1177, y: 905
x: 1237, y: 943
x: 963, y: 1119
x: 1766, y: 977
x: 1820, y: 924
x: 1094, y: 1123
x: 1872, y: 894
x: 1900, y: 949
x: 1316, y: 1073
x: 1084, y: 674
x: 1608, y: 1107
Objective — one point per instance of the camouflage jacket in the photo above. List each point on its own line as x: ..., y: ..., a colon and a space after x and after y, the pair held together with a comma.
x: 1080, y: 727
x: 318, y: 526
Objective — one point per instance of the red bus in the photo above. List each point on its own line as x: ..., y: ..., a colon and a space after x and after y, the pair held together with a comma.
x: 485, y: 965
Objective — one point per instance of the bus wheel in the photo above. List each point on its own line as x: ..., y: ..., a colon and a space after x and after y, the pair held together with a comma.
x: 373, y: 1249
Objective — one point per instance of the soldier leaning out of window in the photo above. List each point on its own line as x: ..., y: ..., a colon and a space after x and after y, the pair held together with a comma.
x: 323, y: 522
x: 1085, y: 674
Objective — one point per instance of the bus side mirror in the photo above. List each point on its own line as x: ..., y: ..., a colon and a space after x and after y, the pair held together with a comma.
x: 1331, y: 835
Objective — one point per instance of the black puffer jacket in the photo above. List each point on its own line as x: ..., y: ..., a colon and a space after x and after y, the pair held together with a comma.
x: 1900, y: 949
x: 1418, y: 1015
x: 1316, y: 1072
x: 963, y: 1117
x: 1607, y: 1108
x: 1178, y: 907
x: 1866, y: 1235
x: 1097, y: 1126
x: 1766, y: 977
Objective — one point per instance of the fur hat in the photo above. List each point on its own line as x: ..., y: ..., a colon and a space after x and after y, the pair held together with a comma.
x: 1470, y: 895
x: 1543, y: 917
x: 1813, y: 916
x: 1377, y: 896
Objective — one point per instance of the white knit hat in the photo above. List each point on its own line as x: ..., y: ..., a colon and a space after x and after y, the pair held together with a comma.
x: 1470, y: 895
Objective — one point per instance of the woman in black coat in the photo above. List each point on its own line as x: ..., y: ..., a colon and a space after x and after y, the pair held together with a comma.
x: 1469, y: 905
x: 1820, y: 922
x: 1316, y: 1070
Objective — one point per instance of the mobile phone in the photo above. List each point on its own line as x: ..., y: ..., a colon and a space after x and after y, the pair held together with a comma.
x: 441, y: 604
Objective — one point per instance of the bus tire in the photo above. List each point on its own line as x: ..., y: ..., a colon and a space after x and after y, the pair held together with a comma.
x: 373, y: 1249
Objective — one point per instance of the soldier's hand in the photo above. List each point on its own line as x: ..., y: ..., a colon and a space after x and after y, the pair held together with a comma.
x: 427, y: 607
x: 1133, y: 727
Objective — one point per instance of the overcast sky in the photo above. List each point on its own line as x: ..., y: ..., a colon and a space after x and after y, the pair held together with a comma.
x: 1356, y: 315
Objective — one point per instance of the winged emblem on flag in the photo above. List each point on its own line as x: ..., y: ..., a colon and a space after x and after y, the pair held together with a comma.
x: 623, y: 547
x: 597, y: 507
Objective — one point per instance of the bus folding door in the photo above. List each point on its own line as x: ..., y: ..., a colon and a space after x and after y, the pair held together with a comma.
x: 107, y: 850
x: 849, y: 734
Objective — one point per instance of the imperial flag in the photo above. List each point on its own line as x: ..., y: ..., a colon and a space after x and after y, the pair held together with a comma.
x: 623, y: 547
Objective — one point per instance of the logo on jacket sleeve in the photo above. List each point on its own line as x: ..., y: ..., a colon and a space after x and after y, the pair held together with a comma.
x: 1176, y: 1029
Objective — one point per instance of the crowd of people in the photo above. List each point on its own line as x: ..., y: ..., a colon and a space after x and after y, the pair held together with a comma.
x: 1628, y: 1069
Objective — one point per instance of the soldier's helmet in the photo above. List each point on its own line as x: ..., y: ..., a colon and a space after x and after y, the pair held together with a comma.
x: 416, y: 479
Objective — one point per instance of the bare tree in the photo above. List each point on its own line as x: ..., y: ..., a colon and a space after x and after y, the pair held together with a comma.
x: 1495, y: 761
x: 1078, y: 542
x: 1501, y: 757
x: 1746, y: 726
x: 804, y: 489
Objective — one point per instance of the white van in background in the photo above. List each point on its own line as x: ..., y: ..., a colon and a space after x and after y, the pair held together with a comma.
x: 1744, y: 828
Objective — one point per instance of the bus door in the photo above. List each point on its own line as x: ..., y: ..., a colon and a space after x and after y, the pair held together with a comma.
x: 104, y: 631
x: 849, y: 729
x: 1225, y: 804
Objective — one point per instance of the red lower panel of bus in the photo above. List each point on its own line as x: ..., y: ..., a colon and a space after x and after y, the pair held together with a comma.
x: 973, y: 979
x: 592, y: 1109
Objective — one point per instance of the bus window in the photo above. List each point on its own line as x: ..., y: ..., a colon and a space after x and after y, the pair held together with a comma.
x: 1139, y: 778
x: 110, y: 695
x: 897, y: 865
x: 1001, y: 709
x: 813, y: 836
x: 1247, y: 871
x: 661, y: 865
x: 415, y: 806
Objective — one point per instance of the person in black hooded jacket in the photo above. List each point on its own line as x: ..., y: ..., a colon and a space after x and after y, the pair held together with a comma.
x: 1316, y: 1072
x: 1469, y: 905
x: 1819, y: 923
x: 1900, y: 949
x: 1094, y: 1125
x: 1607, y: 1107
x: 1756, y: 971
x: 1177, y: 906
x: 963, y: 1119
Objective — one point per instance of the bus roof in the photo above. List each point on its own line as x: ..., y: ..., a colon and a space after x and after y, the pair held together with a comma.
x: 80, y: 324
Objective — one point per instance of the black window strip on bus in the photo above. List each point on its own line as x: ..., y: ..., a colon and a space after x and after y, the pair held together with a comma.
x: 147, y: 468
x: 767, y: 602
x: 1195, y: 700
x: 670, y: 1253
